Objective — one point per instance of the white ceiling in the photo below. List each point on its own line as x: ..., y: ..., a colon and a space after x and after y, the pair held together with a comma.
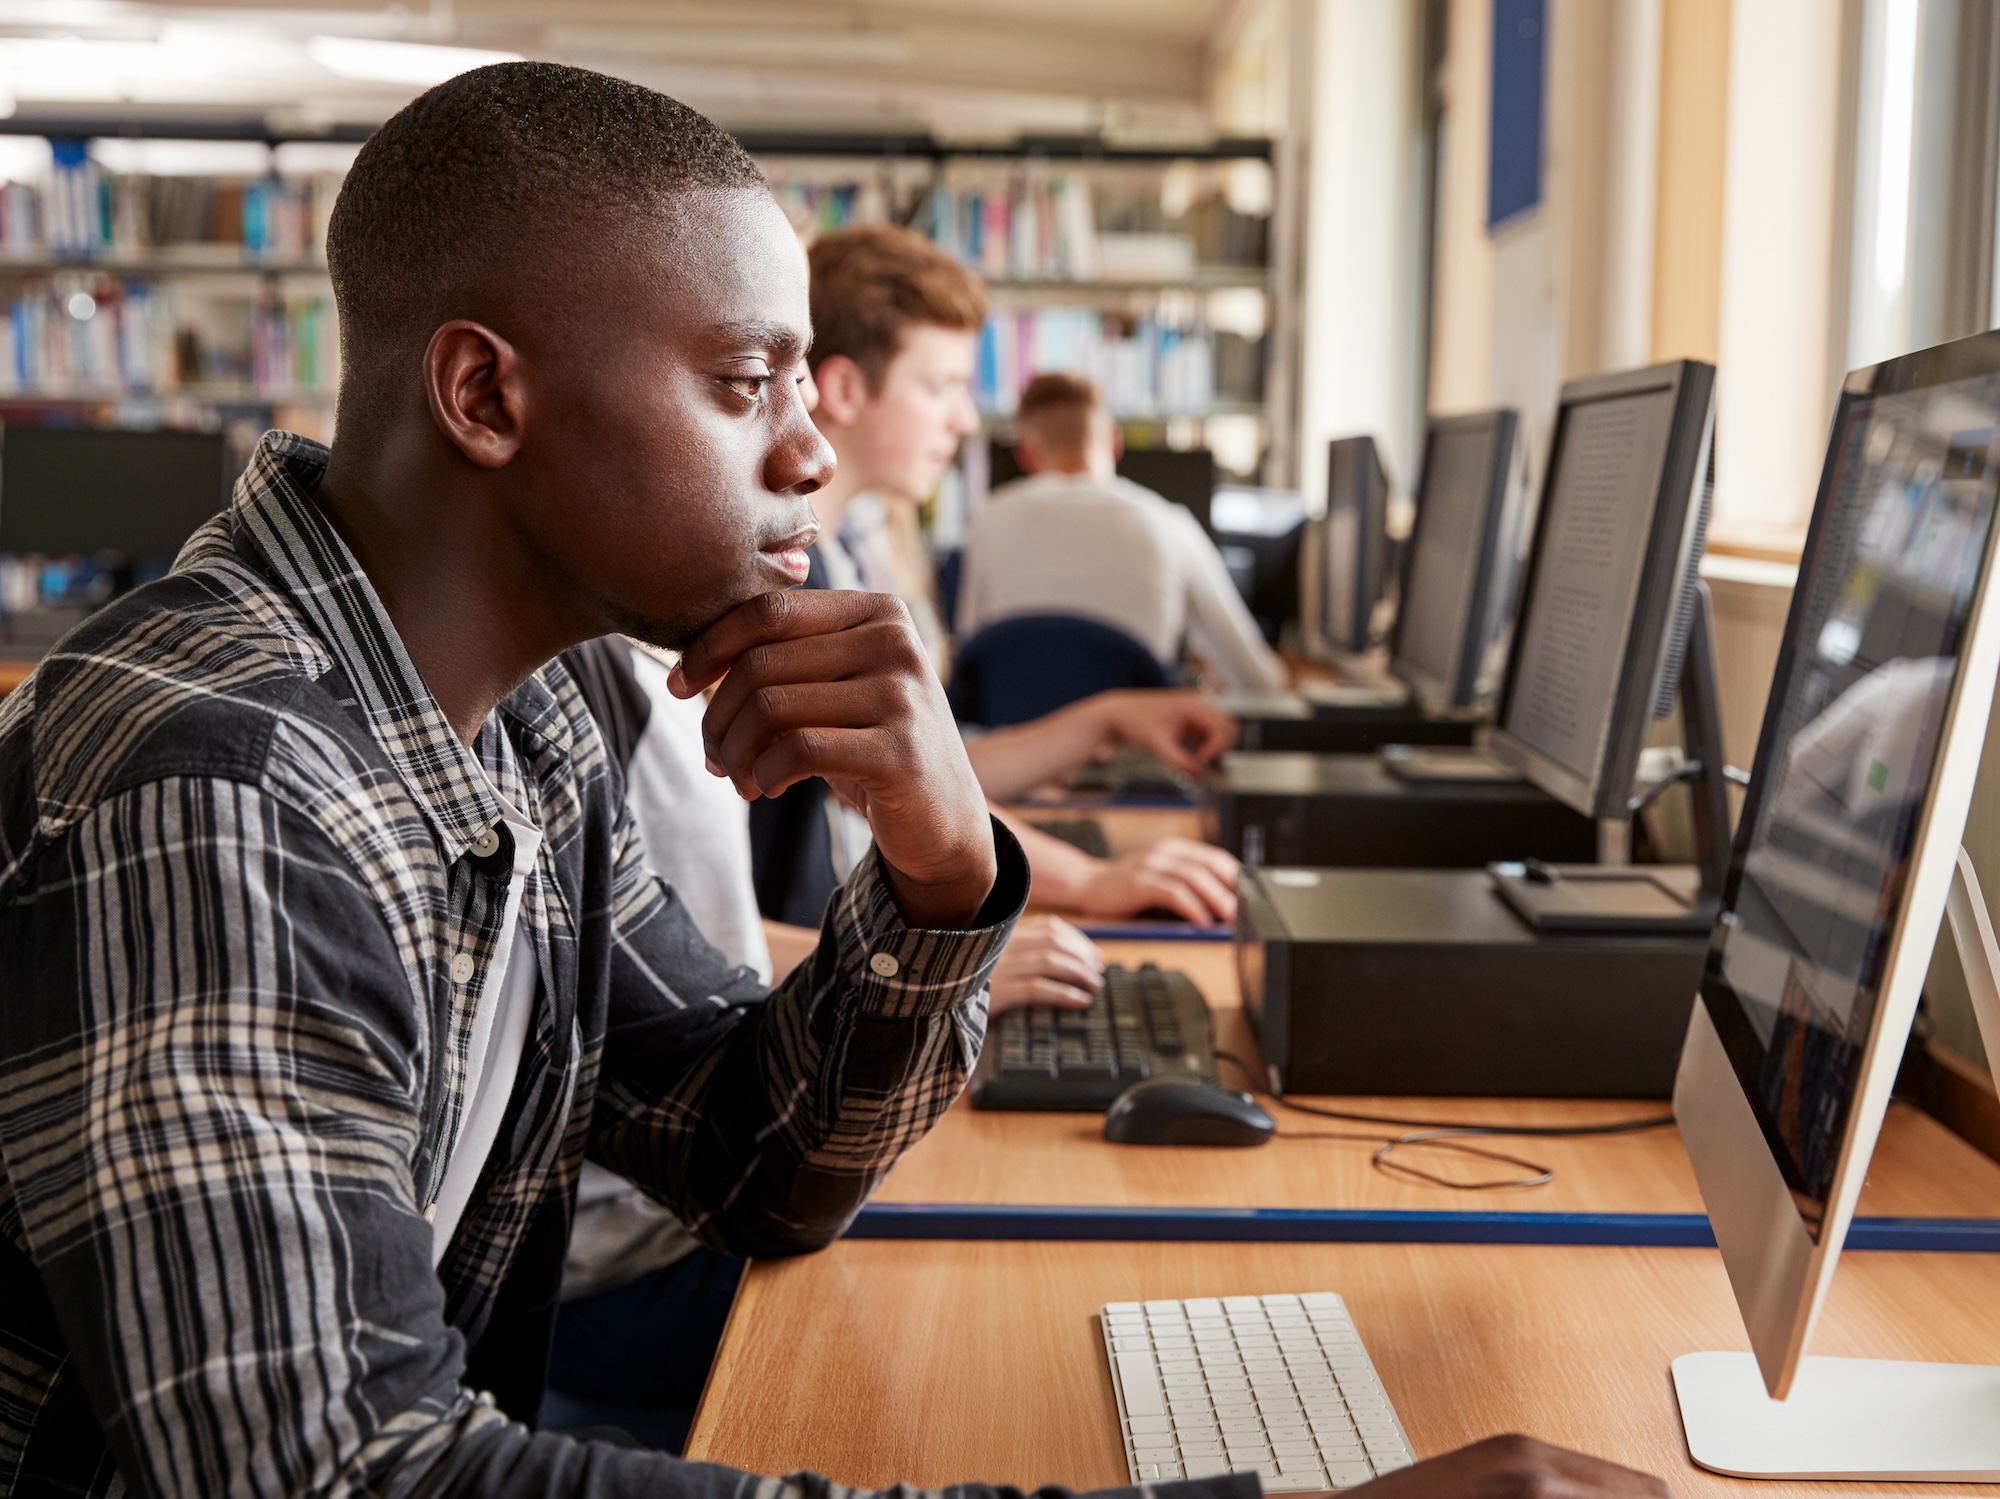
x: 980, y: 67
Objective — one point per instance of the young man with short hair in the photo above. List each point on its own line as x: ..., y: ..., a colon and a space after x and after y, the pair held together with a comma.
x: 330, y: 953
x: 895, y: 328
x: 1075, y: 538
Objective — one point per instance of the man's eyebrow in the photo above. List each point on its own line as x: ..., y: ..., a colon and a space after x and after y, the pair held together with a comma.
x: 785, y: 341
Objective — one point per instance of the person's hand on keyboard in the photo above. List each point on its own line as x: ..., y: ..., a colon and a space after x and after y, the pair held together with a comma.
x: 1193, y: 881
x: 1184, y: 729
x: 1047, y: 962
x: 1514, y: 1467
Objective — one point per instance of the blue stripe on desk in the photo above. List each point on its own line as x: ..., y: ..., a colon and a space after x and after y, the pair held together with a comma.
x: 934, y: 1220
x: 1155, y: 931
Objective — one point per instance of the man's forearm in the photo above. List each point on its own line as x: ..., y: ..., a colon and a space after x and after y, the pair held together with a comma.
x: 1016, y: 759
x: 783, y: 1115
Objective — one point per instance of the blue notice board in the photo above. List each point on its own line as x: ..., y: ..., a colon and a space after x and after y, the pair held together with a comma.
x: 1514, y: 148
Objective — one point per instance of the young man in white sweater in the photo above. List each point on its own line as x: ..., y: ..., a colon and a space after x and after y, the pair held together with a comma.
x: 1074, y: 538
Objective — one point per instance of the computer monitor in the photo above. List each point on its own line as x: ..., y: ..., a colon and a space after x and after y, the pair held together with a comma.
x: 1463, y: 562
x: 1344, y: 559
x: 1258, y: 533
x: 1610, y: 590
x: 83, y: 490
x: 1187, y: 477
x: 1845, y: 857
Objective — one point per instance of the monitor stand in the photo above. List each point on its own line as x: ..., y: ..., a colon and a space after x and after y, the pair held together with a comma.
x: 1605, y: 897
x: 1851, y: 1417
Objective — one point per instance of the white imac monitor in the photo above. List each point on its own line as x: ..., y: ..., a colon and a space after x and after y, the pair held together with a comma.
x: 1608, y: 598
x: 1844, y: 858
x: 1463, y: 562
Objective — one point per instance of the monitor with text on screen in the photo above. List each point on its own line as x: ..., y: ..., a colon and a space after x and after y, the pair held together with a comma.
x: 1608, y: 598
x: 1451, y: 632
x: 1845, y: 859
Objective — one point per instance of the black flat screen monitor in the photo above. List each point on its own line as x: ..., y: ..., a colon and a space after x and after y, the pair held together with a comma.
x: 1463, y: 562
x: 81, y: 490
x: 1187, y: 477
x: 1609, y: 591
x: 1352, y: 544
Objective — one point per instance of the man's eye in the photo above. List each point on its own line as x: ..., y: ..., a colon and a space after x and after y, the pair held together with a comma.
x: 750, y: 387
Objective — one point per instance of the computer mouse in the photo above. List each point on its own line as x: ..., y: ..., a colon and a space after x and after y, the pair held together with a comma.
x: 1183, y: 1111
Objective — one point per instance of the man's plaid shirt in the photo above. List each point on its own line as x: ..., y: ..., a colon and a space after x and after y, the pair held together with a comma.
x: 243, y: 930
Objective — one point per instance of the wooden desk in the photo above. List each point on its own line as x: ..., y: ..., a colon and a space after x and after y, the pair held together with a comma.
x: 931, y: 1363
x: 1921, y: 1169
x: 13, y: 674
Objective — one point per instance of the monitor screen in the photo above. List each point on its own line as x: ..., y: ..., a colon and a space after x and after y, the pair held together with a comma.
x: 1850, y: 744
x: 83, y: 490
x: 1447, y: 550
x: 1185, y: 476
x: 1604, y: 484
x: 1353, y: 537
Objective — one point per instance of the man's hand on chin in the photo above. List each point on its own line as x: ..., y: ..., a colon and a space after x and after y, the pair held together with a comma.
x: 836, y: 684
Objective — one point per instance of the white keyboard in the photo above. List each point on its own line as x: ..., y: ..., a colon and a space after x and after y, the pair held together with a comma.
x: 1275, y: 1385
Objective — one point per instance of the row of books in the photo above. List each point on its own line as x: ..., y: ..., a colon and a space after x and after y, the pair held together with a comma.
x: 1145, y: 366
x: 61, y: 342
x: 1057, y: 226
x: 1046, y: 227
x: 89, y: 213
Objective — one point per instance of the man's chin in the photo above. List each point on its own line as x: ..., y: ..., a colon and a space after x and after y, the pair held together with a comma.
x: 677, y: 633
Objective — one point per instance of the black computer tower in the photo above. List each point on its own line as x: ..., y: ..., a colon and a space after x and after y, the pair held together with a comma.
x: 1422, y: 982
x: 1342, y: 730
x: 1348, y: 811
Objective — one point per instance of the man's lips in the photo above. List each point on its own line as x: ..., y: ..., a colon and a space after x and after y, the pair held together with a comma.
x: 792, y: 562
x: 788, y: 553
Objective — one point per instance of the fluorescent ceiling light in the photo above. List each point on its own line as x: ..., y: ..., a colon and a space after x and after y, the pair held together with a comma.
x: 420, y: 63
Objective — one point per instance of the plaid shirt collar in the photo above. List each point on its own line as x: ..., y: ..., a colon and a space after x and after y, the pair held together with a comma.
x: 275, y: 519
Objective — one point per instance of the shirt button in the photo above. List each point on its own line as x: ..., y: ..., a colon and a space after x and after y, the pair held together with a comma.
x: 487, y: 844
x: 431, y: 1213
x: 461, y: 968
x: 885, y: 965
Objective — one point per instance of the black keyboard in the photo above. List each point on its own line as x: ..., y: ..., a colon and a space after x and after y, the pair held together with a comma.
x: 1144, y: 1023
x: 1086, y: 833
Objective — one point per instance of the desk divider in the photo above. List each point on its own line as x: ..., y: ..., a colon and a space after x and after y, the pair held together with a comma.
x: 1154, y: 931
x: 936, y: 1220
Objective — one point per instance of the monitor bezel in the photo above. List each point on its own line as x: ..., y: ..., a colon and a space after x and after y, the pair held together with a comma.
x: 1462, y: 690
x: 1373, y: 541
x: 1605, y: 793
x: 1779, y: 1271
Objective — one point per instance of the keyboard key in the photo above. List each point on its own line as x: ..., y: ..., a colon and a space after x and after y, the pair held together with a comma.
x: 1148, y: 1426
x: 1206, y: 1467
x: 1140, y: 1388
x: 1304, y: 1481
x: 1347, y: 1475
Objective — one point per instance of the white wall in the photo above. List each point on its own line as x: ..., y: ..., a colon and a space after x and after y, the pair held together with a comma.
x: 1778, y: 367
x: 1361, y: 322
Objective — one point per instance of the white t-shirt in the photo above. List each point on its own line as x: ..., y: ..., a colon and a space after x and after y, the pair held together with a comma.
x: 1116, y: 552
x: 499, y: 1033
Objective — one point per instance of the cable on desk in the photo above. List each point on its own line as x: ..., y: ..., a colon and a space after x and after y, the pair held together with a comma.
x: 1444, y: 1134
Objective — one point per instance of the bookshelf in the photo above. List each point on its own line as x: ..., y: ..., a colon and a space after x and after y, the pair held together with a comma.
x: 136, y: 297
x: 1145, y: 266
x: 131, y: 297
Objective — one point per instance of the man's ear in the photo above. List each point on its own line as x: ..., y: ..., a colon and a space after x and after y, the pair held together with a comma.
x: 478, y: 398
x: 1028, y: 453
x: 843, y: 391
